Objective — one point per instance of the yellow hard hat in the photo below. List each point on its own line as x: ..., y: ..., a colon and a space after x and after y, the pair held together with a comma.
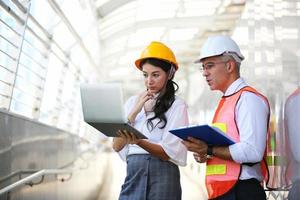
x: 159, y: 51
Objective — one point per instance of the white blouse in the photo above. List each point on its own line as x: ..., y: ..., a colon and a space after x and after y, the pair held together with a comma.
x: 177, y: 116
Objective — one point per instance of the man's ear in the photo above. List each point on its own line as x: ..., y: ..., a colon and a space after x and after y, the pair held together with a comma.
x: 230, y: 65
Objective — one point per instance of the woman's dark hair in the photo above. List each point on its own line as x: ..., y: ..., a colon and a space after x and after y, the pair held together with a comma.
x: 164, y: 101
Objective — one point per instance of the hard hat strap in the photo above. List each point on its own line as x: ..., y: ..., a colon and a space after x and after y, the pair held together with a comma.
x: 171, y: 72
x: 234, y: 55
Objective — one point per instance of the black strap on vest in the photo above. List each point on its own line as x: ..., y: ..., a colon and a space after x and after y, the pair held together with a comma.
x: 250, y: 164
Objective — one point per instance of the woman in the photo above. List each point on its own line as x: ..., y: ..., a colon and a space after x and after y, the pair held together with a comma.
x: 152, y: 164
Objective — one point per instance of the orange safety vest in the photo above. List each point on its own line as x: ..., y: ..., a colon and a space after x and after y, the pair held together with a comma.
x: 222, y: 175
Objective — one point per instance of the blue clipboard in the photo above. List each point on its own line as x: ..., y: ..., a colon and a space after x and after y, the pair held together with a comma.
x: 208, y: 134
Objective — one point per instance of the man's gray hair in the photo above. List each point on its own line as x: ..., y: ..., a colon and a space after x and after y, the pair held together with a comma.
x: 226, y: 57
x: 234, y: 56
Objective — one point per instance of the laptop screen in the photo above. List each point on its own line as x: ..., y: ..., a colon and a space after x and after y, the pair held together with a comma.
x: 102, y: 103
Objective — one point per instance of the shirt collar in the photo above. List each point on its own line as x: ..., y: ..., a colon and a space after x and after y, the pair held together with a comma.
x: 235, y: 86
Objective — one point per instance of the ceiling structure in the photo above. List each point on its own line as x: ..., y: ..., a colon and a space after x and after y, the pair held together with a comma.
x: 127, y: 26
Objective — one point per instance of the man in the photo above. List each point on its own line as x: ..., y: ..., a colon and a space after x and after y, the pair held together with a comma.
x: 233, y: 172
x: 292, y: 126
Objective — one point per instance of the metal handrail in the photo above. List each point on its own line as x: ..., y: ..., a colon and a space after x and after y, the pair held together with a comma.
x: 42, y: 173
x: 30, y: 178
x: 17, y: 173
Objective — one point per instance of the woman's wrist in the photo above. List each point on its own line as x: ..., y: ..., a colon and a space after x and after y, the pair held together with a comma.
x: 129, y: 121
x: 131, y: 118
x: 118, y: 144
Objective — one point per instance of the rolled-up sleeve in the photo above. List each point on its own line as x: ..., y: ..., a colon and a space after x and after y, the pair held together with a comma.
x: 252, y: 114
x: 171, y: 144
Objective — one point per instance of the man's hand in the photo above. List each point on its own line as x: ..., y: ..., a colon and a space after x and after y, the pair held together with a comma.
x: 200, y: 159
x: 198, y: 147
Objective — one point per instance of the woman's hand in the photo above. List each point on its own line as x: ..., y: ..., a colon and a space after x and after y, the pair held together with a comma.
x: 142, y: 98
x: 128, y: 137
x: 118, y: 143
x: 125, y: 137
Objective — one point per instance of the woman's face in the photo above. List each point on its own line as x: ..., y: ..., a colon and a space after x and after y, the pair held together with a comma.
x: 154, y: 78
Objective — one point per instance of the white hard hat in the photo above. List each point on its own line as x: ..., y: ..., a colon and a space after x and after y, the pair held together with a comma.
x: 220, y: 45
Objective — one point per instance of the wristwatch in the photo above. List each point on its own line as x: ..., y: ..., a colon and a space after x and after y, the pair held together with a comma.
x: 209, y: 151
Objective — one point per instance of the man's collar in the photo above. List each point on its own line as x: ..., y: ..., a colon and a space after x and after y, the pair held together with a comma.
x: 235, y: 86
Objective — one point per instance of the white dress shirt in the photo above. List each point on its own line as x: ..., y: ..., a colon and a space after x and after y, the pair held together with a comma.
x: 176, y: 117
x: 292, y: 119
x: 252, y: 118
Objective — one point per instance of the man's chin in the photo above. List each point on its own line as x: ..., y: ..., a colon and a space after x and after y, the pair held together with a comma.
x: 212, y: 88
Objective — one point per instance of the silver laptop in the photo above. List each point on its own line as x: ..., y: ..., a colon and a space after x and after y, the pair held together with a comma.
x: 102, y: 106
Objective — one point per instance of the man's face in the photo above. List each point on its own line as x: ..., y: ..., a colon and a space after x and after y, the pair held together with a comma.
x: 214, y: 69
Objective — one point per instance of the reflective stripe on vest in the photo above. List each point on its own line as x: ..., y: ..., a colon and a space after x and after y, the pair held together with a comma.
x: 221, y: 174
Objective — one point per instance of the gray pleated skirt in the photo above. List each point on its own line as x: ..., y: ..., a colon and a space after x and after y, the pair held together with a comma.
x: 149, y: 178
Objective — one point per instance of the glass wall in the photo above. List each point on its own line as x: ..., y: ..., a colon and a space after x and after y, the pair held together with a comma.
x: 46, y: 49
